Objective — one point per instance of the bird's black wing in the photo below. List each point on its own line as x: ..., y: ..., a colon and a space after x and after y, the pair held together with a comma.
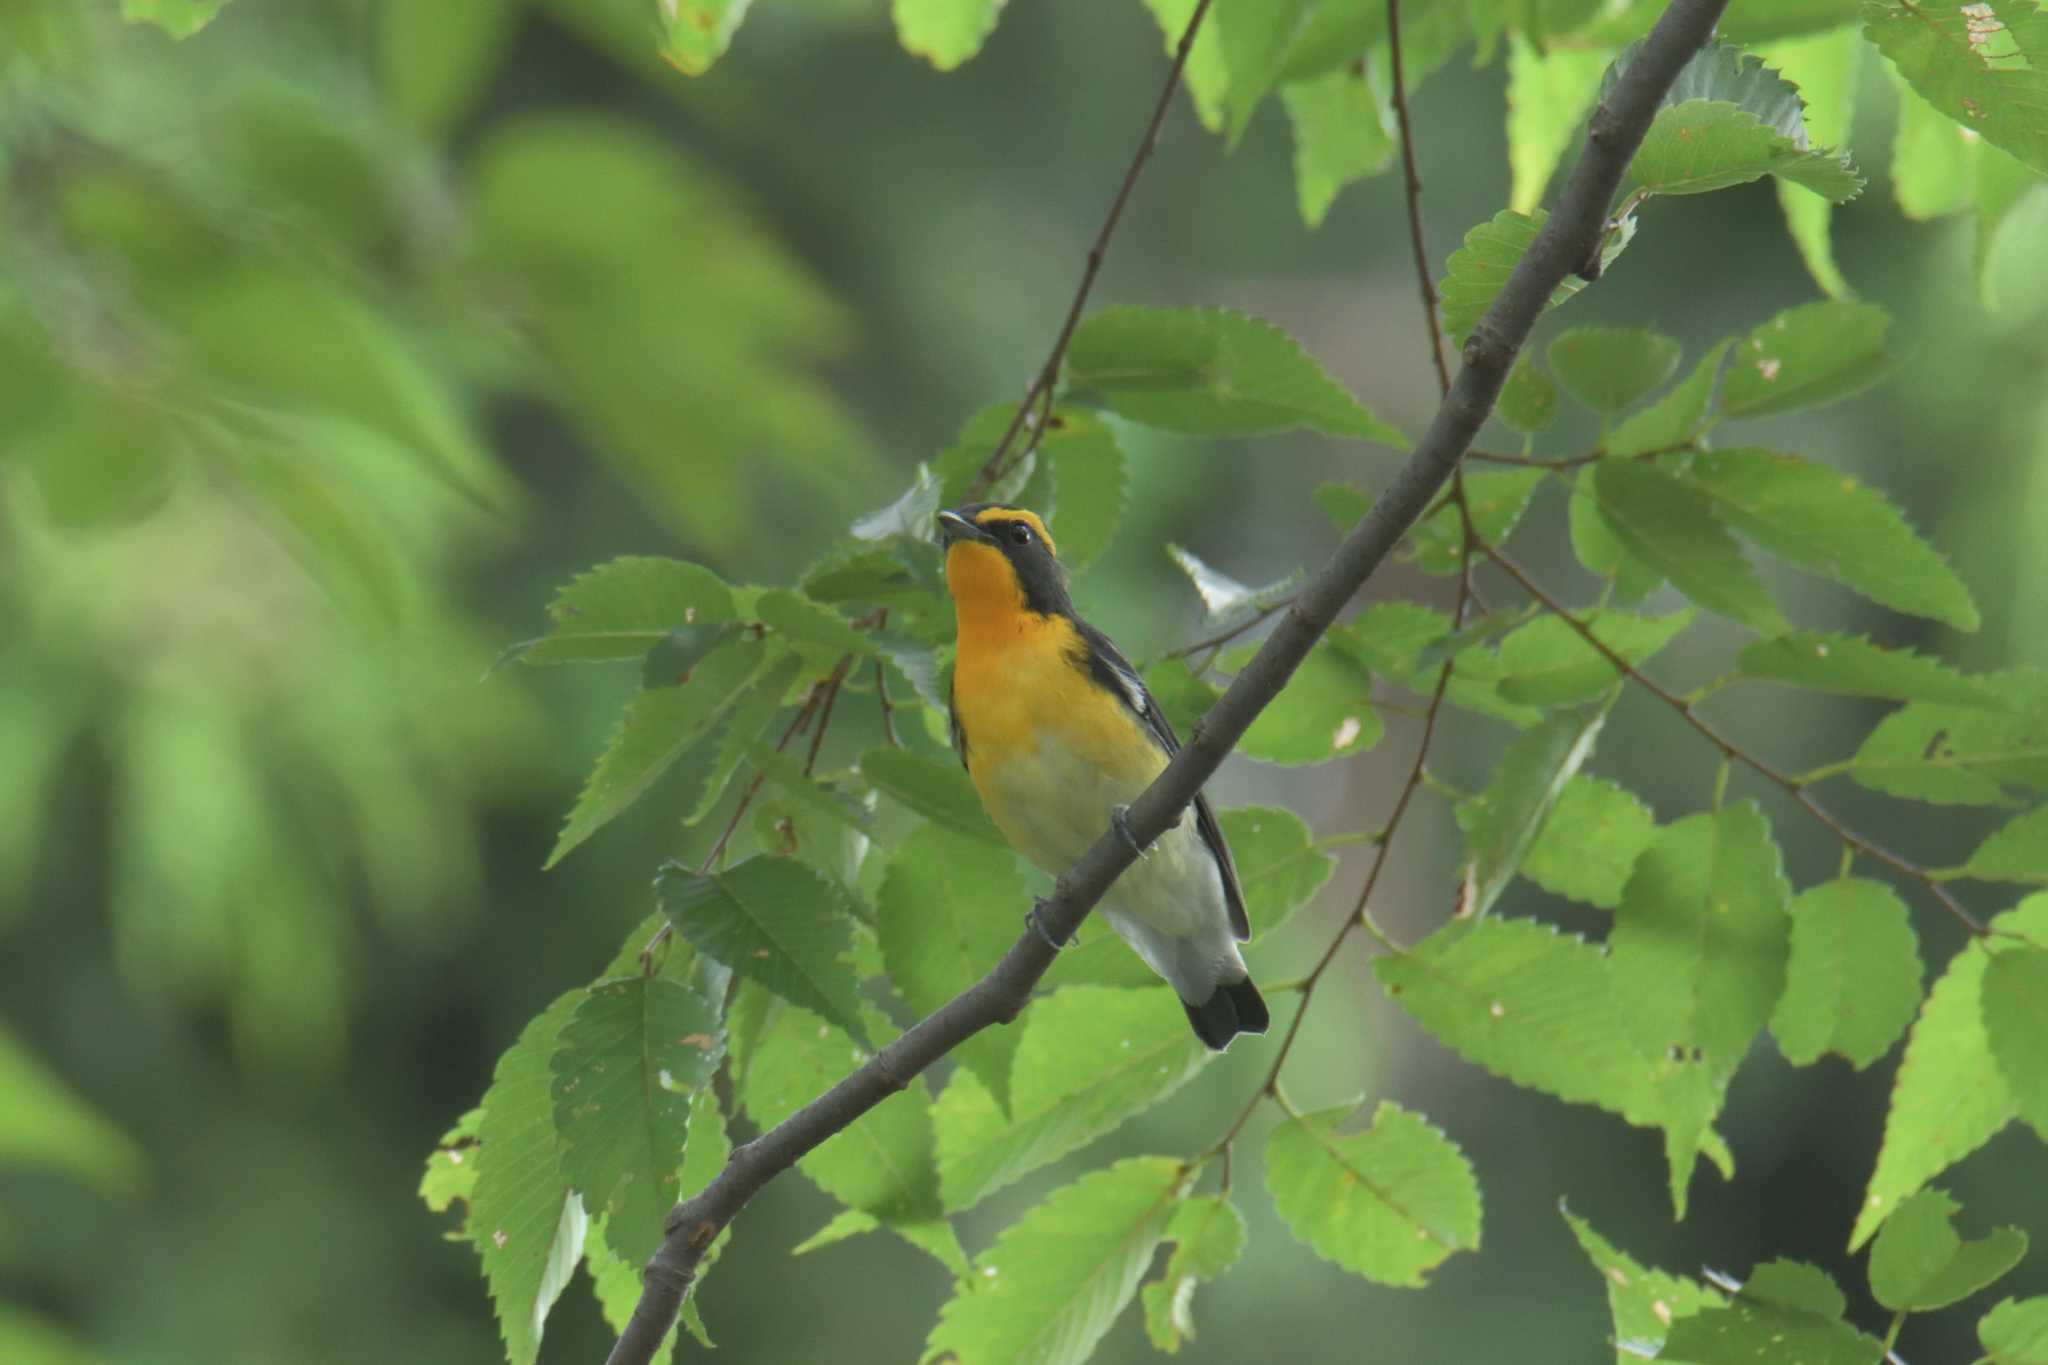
x: 1110, y: 669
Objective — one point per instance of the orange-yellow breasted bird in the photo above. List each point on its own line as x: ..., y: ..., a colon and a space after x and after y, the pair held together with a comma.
x: 1060, y: 735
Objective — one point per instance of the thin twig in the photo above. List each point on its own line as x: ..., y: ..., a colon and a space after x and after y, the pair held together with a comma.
x: 882, y: 690
x: 1566, y: 241
x: 1224, y: 637
x: 1041, y: 390
x: 1734, y: 752
x: 1438, y: 354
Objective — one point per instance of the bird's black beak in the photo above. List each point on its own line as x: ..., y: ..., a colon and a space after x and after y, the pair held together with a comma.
x: 953, y: 526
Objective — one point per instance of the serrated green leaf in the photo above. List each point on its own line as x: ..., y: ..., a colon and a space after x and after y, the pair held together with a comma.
x: 659, y: 727
x: 1254, y: 39
x: 451, y: 1167
x: 1495, y: 501
x: 1528, y: 401
x: 1851, y: 666
x: 696, y: 33
x: 622, y: 609
x: 1549, y: 94
x: 1589, y: 845
x: 1824, y: 67
x: 899, y: 574
x: 1208, y: 1234
x: 675, y: 655
x: 773, y: 921
x: 1324, y: 712
x: 1675, y: 419
x: 179, y: 18
x: 1278, y: 864
x: 523, y: 1220
x: 1806, y: 357
x: 1090, y: 1057
x: 1090, y: 481
x: 1643, y: 1303
x: 1211, y: 372
x: 1052, y: 1284
x: 1950, y: 1096
x: 1705, y: 145
x: 1954, y: 755
x: 803, y: 621
x: 2016, y: 1022
x: 625, y: 1066
x: 945, y: 33
x: 949, y: 908
x: 939, y: 791
x: 746, y: 725
x: 1852, y: 982
x: 1476, y: 271
x: 1919, y: 1264
x: 1339, y: 137
x: 2016, y: 1332
x: 1786, y: 1311
x: 1608, y: 368
x: 1223, y: 597
x: 1207, y: 77
x: 882, y: 1162
x: 1668, y: 524
x: 1548, y: 663
x: 1984, y: 67
x: 617, y: 1281
x: 1596, y: 545
x: 1501, y: 822
x: 2016, y: 853
x: 1701, y: 937
x: 1390, y: 1203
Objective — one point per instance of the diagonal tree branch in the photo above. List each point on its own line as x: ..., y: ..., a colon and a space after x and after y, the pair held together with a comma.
x: 1567, y: 243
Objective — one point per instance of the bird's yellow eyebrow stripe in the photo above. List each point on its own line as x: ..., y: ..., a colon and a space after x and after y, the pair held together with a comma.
x: 993, y: 515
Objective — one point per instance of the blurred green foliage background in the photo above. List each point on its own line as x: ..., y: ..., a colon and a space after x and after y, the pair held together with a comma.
x: 333, y: 338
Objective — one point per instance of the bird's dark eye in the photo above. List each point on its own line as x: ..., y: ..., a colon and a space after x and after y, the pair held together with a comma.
x: 1020, y: 534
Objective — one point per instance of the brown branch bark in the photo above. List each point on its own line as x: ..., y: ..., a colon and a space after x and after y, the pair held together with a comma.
x: 1569, y: 240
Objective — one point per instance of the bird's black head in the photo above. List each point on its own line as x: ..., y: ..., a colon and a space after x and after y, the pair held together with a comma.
x: 995, y: 551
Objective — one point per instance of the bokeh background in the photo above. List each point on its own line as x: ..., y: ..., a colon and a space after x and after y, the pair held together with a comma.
x: 334, y: 338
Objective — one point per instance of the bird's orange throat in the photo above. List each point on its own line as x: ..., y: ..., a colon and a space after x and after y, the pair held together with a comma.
x: 988, y: 601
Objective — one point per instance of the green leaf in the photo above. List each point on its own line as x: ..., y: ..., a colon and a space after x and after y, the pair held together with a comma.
x: 1701, y: 937
x: 1528, y: 401
x: 1934, y: 158
x: 938, y: 791
x: 1476, y: 271
x: 944, y: 32
x: 1596, y: 545
x: 882, y: 1162
x: 1182, y: 697
x: 1705, y: 145
x: 46, y: 1126
x: 1344, y: 505
x: 451, y: 1167
x: 524, y: 1221
x: 1950, y: 1096
x: 1548, y: 663
x: 1090, y: 479
x: 1787, y: 1311
x: 911, y: 515
x: 179, y: 18
x: 1608, y: 368
x: 1549, y: 95
x: 1495, y: 500
x: 1806, y: 357
x: 2016, y: 1332
x: 899, y: 573
x: 1324, y: 712
x: 670, y: 661
x: 949, y: 908
x: 1254, y: 39
x: 1675, y: 419
x: 1208, y: 1234
x: 617, y: 1281
x: 1589, y: 845
x: 774, y: 921
x: 1211, y: 372
x: 2016, y: 1022
x: 659, y: 727
x: 1986, y: 69
x: 746, y: 725
x: 1278, y: 864
x: 1668, y: 524
x: 625, y: 1066
x: 696, y: 33
x: 434, y: 60
x: 2016, y: 853
x: 1643, y: 1303
x: 1052, y: 1284
x: 1954, y: 755
x: 1090, y: 1057
x: 1207, y: 77
x: 1851, y: 666
x: 1223, y: 597
x: 1852, y: 982
x: 1918, y: 1264
x: 803, y: 621
x: 1338, y: 137
x: 1501, y: 822
x: 1824, y: 66
x: 624, y: 608
x: 1390, y: 1203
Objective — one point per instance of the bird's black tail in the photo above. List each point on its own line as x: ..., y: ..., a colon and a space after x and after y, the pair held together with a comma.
x: 1234, y: 1007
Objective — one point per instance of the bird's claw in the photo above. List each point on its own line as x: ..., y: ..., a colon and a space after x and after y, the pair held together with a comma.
x: 1034, y: 918
x: 1120, y: 821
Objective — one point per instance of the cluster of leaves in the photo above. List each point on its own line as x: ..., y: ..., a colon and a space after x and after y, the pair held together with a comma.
x: 876, y: 889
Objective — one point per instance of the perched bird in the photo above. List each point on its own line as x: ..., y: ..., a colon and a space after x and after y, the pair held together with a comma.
x: 1060, y: 735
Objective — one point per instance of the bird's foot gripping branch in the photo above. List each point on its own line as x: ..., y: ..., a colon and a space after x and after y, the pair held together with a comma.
x: 857, y: 884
